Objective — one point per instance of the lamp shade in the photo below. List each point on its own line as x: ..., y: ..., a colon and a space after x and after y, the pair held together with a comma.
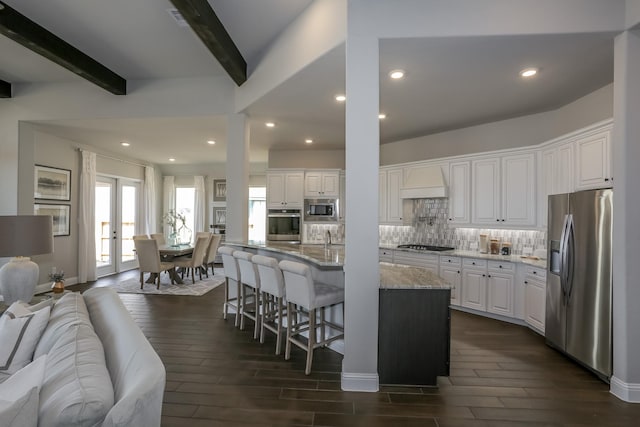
x: 26, y: 235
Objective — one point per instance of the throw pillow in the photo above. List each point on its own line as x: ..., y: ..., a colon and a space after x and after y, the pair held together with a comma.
x: 20, y: 331
x: 19, y: 396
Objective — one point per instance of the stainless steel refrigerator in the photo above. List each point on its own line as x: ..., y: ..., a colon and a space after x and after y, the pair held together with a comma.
x: 578, y: 306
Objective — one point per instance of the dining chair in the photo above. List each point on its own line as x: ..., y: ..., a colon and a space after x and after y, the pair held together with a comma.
x: 210, y: 254
x: 140, y: 236
x: 250, y: 280
x: 149, y: 260
x: 272, y: 294
x: 232, y: 276
x: 159, y: 237
x: 195, y: 260
x: 306, y: 296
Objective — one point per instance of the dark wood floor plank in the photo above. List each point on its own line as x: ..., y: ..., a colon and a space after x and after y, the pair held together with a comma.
x: 502, y: 375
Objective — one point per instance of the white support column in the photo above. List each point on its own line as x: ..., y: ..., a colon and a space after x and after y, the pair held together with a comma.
x: 625, y: 382
x: 362, y: 277
x: 237, y: 178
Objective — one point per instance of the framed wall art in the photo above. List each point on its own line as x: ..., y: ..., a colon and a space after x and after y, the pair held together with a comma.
x: 219, y: 216
x: 219, y: 190
x: 52, y: 183
x: 61, y: 217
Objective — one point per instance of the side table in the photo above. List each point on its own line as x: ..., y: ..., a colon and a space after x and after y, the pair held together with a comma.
x: 35, y: 300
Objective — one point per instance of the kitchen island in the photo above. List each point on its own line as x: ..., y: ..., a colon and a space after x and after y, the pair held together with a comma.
x: 414, y: 326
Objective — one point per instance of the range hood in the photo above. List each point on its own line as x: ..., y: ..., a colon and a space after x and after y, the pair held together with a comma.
x: 425, y: 182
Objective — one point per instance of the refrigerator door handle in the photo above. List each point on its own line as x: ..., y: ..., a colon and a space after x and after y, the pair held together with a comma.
x: 570, y: 257
x: 564, y: 258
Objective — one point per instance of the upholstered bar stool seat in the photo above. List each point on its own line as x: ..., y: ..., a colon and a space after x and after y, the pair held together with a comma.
x: 272, y: 296
x: 250, y: 301
x: 305, y: 294
x: 232, y: 277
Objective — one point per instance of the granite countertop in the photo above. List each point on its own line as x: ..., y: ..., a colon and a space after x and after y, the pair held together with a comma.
x: 396, y: 276
x: 533, y: 261
x: 331, y: 257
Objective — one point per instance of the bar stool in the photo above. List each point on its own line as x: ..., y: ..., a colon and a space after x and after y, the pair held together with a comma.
x: 272, y: 296
x: 232, y: 274
x: 250, y: 279
x: 305, y: 294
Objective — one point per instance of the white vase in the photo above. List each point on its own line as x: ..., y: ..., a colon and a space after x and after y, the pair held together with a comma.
x: 18, y: 280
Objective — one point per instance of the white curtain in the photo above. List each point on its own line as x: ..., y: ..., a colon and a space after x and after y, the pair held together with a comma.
x: 87, y: 219
x: 169, y: 200
x: 149, y: 201
x: 199, y: 208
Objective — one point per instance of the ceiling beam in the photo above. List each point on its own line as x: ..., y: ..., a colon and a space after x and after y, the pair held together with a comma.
x: 22, y: 30
x: 204, y: 21
x: 5, y: 89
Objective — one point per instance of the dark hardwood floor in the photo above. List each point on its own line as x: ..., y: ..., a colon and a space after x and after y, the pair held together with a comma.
x: 501, y: 375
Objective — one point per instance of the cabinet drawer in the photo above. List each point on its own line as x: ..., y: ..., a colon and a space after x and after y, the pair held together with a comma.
x: 472, y: 262
x: 500, y: 266
x: 450, y: 260
x: 535, y: 272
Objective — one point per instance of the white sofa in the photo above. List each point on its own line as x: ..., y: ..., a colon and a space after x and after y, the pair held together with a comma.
x: 100, y: 370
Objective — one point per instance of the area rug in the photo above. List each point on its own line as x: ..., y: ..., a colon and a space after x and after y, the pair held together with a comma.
x: 201, y: 287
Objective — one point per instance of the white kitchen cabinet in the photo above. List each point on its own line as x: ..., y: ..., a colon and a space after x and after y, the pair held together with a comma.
x: 385, y: 255
x: 593, y: 161
x: 500, y: 288
x: 285, y: 189
x: 451, y: 271
x: 390, y: 203
x: 474, y: 284
x: 486, y: 191
x: 322, y: 184
x: 342, y: 201
x: 427, y: 261
x: 535, y: 295
x: 555, y: 175
x: 503, y: 190
x: 459, y: 192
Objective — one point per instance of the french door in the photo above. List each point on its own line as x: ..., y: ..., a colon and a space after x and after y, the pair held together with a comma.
x: 117, y: 219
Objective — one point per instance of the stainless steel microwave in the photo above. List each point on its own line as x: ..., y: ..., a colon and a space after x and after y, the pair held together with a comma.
x: 320, y: 210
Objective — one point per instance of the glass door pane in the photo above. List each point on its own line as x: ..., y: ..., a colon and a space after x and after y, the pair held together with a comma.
x: 129, y: 214
x: 105, y: 231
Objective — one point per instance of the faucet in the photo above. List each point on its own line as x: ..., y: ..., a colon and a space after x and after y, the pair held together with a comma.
x: 327, y: 239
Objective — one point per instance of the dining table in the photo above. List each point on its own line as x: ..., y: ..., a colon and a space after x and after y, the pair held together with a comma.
x: 167, y: 254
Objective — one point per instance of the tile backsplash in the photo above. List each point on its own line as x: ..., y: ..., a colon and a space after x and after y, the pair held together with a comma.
x: 431, y: 226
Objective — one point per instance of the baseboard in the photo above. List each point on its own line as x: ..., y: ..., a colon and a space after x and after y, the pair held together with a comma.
x: 625, y: 391
x: 360, y: 382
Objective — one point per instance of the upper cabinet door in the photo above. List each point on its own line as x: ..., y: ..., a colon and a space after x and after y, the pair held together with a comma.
x: 294, y: 185
x: 275, y: 190
x: 331, y: 184
x: 459, y: 194
x: 593, y: 161
x: 312, y: 184
x: 518, y: 190
x: 394, y: 203
x: 322, y: 184
x: 486, y: 191
x: 382, y: 194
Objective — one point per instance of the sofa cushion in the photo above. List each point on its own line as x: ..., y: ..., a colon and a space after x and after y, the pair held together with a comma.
x: 67, y: 311
x: 20, y: 330
x: 77, y: 388
x: 19, y: 396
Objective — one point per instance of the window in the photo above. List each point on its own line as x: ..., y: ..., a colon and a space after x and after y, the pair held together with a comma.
x: 257, y: 213
x: 185, y: 203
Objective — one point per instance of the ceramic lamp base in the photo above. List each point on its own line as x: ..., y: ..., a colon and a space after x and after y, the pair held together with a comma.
x: 18, y: 280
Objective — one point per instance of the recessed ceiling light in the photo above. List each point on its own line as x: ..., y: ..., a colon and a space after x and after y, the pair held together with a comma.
x: 341, y: 98
x: 382, y: 116
x: 172, y: 159
x: 396, y: 74
x: 308, y: 141
x: 529, y: 72
x: 125, y: 144
x: 211, y: 142
x: 270, y: 124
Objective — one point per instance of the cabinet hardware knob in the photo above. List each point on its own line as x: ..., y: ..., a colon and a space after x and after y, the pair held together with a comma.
x: 502, y: 220
x: 500, y: 266
x: 526, y: 283
x: 497, y: 220
x: 473, y: 263
x: 535, y: 272
x: 488, y: 275
x: 458, y: 271
x: 484, y: 275
x: 606, y: 179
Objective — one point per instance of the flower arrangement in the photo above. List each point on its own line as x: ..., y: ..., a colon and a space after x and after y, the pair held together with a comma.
x: 172, y: 218
x: 57, y: 276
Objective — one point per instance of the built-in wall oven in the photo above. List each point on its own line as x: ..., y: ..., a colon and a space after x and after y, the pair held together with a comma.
x: 283, y: 225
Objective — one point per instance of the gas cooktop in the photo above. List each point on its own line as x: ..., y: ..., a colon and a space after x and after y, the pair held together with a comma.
x: 425, y: 247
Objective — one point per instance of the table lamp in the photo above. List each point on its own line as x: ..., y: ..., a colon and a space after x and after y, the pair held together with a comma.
x: 20, y: 237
